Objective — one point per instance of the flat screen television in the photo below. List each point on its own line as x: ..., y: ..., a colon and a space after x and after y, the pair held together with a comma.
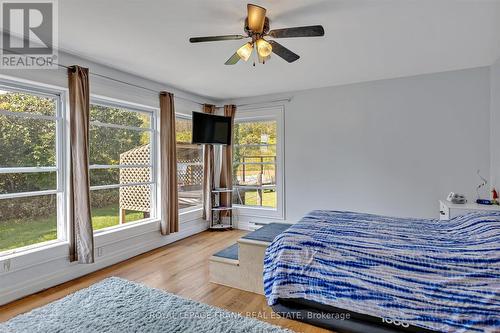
x: 211, y: 129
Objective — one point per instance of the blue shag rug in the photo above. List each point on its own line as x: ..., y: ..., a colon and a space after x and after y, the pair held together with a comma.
x: 118, y: 305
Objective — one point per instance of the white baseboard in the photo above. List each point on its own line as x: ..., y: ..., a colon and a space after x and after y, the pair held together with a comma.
x: 36, y: 278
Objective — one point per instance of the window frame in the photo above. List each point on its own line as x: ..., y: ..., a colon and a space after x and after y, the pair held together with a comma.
x: 60, y: 119
x: 199, y: 207
x: 267, y: 113
x: 154, y: 149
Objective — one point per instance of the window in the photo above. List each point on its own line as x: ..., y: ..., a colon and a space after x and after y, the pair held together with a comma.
x: 31, y: 167
x: 189, y: 166
x: 257, y: 161
x: 122, y: 177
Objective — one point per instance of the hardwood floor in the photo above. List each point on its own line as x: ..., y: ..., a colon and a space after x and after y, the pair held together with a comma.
x: 180, y: 268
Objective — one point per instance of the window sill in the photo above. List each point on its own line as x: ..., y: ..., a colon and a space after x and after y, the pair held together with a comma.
x: 124, y: 226
x: 264, y: 212
x: 190, y: 214
x: 184, y: 216
x: 134, y: 229
x: 29, y: 249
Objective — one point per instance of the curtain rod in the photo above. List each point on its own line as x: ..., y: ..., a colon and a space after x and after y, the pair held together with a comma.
x: 131, y: 84
x: 175, y: 96
x: 184, y: 98
x: 266, y: 102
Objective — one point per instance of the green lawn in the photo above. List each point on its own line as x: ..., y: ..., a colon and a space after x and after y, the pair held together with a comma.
x: 19, y: 232
x: 268, y: 199
x: 108, y: 216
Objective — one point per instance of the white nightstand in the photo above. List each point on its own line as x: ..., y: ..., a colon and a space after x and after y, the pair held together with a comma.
x: 448, y: 210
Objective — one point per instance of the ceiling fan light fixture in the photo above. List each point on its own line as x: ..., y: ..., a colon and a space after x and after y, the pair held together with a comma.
x: 263, y: 60
x: 264, y: 48
x: 245, y: 51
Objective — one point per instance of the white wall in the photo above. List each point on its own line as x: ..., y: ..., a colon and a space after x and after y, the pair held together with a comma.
x: 390, y: 147
x: 24, y: 273
x: 495, y: 123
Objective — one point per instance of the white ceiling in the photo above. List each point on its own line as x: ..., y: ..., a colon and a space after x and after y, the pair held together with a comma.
x: 364, y: 40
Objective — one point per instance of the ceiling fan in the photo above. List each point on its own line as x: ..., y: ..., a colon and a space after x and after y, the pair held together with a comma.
x: 256, y: 28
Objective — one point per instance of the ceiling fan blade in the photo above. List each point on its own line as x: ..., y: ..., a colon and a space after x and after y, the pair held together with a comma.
x: 308, y: 31
x: 256, y: 17
x: 283, y: 52
x: 233, y: 60
x: 215, y: 38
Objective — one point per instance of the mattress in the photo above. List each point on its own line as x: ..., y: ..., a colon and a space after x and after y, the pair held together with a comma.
x: 339, y: 320
x: 437, y: 275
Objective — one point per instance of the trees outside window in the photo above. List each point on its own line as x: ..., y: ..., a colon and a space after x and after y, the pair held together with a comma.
x: 32, y: 158
x: 31, y: 175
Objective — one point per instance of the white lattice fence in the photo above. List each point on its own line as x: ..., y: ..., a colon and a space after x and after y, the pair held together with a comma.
x: 190, y: 164
x: 138, y: 198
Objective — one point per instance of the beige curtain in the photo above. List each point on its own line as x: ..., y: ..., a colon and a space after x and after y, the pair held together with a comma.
x: 226, y: 173
x: 208, y: 170
x: 81, y: 233
x: 168, y: 165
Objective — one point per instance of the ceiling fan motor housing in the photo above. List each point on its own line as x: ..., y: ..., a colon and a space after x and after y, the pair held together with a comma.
x: 251, y: 33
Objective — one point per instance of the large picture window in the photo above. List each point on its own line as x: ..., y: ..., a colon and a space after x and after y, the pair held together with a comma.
x: 257, y: 165
x: 189, y: 166
x: 122, y: 177
x: 31, y: 167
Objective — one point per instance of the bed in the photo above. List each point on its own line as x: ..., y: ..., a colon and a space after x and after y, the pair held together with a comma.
x: 390, y: 274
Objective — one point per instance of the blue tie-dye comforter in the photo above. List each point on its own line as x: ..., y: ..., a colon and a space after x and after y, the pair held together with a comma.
x: 439, y: 275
